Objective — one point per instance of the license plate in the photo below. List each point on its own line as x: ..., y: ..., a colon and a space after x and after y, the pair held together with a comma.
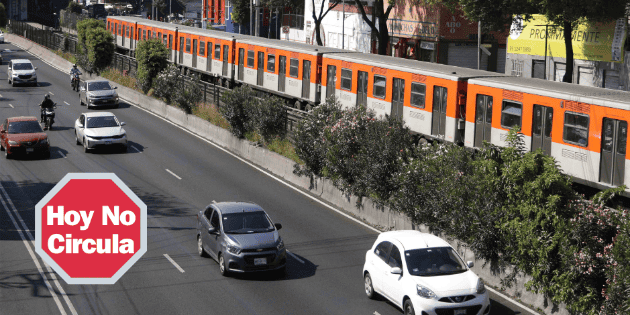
x: 29, y: 150
x: 260, y: 261
x: 459, y: 312
x: 108, y: 142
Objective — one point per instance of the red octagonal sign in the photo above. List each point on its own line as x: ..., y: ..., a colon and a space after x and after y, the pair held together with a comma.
x: 91, y: 228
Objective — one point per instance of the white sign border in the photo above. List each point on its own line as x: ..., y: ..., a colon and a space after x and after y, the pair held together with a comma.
x: 143, y: 228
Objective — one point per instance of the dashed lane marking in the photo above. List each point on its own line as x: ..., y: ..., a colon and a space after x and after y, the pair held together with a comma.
x: 11, y: 105
x: 66, y: 103
x: 296, y: 257
x: 174, y: 263
x: 173, y: 174
x: 133, y: 147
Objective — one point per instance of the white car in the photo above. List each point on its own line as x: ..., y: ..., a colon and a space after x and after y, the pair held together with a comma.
x: 432, y: 278
x: 1, y: 37
x: 21, y: 71
x: 99, y: 129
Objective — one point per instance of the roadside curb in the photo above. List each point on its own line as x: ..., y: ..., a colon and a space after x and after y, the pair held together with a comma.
x: 370, y: 213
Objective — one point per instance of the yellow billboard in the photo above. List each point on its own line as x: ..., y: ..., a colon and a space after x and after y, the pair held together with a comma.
x: 591, y: 41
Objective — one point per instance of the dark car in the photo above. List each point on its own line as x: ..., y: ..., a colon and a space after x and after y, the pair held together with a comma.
x: 241, y: 238
x: 23, y: 135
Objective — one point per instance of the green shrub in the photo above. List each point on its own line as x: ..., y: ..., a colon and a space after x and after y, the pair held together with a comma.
x: 165, y: 84
x: 100, y: 49
x: 235, y: 109
x: 74, y: 7
x: 152, y: 57
x: 3, y: 15
x: 268, y: 117
x: 188, y: 94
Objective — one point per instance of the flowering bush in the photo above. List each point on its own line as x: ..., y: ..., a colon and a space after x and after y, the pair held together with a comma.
x: 235, y: 109
x: 165, y: 84
x: 268, y: 117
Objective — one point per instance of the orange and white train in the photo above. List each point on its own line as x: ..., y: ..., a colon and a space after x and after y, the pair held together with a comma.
x: 584, y: 128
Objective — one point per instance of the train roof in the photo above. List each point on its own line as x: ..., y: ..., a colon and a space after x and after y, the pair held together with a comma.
x: 179, y: 27
x: 415, y: 66
x: 561, y: 90
x: 288, y: 45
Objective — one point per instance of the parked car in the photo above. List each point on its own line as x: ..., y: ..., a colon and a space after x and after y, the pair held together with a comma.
x: 99, y: 129
x: 23, y: 135
x: 241, y: 237
x: 94, y: 93
x: 22, y: 71
x: 431, y: 279
x: 1, y: 37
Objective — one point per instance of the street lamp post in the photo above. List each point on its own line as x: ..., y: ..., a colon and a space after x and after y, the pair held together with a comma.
x: 343, y: 26
x: 546, y: 34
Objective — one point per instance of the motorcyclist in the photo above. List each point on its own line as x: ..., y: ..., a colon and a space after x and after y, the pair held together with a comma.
x: 46, y: 103
x: 73, y: 71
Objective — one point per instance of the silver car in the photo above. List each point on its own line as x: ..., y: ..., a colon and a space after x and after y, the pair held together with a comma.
x: 95, y: 93
x: 99, y: 129
x: 21, y: 71
x: 241, y: 237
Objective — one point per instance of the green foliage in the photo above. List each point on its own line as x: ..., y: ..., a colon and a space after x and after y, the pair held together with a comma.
x: 309, y: 142
x: 87, y: 24
x: 268, y: 117
x: 3, y: 15
x: 235, y: 109
x: 166, y: 82
x: 241, y: 12
x: 152, y: 56
x: 100, y: 48
x: 188, y: 94
x: 74, y: 7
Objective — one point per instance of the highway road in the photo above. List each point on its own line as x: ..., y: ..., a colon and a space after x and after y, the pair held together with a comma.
x: 175, y: 174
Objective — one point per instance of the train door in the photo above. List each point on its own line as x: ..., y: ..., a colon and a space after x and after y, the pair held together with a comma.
x: 439, y: 111
x: 209, y: 59
x: 181, y: 50
x: 541, y: 128
x: 241, y: 63
x: 226, y: 51
x: 194, y: 54
x: 261, y: 70
x: 131, y: 38
x: 613, y: 157
x: 362, y: 85
x: 330, y: 81
x: 483, y: 120
x: 306, y: 79
x: 398, y: 98
x: 125, y: 30
x: 282, y: 73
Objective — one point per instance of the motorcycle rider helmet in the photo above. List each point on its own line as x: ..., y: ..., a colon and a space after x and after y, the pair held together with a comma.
x: 47, y: 97
x: 74, y: 65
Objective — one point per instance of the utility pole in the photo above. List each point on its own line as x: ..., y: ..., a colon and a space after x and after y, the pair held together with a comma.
x: 478, y: 45
x: 546, y: 34
x: 343, y: 25
x: 251, y: 17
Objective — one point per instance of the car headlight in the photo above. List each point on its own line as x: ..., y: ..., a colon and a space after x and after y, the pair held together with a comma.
x: 425, y: 292
x: 234, y: 250
x: 481, y: 287
x: 11, y: 142
x: 280, y: 245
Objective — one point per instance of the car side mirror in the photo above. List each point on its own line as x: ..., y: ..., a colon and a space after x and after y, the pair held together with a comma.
x: 212, y: 230
x: 123, y: 123
x: 80, y: 125
x: 396, y: 271
x: 115, y: 87
x: 35, y: 68
x: 470, y: 264
x: 278, y: 226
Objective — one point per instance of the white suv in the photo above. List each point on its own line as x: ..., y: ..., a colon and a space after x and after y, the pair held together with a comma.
x: 22, y: 71
x: 431, y: 279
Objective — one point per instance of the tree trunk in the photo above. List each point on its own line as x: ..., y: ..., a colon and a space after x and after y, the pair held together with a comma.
x: 318, y: 36
x: 383, y: 36
x: 568, y: 30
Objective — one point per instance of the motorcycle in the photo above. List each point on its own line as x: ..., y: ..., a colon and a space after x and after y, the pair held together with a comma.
x: 75, y: 82
x: 49, y: 117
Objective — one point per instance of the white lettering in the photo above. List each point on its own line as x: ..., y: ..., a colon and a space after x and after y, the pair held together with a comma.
x: 51, y: 244
x: 127, y: 217
x: 89, y: 246
x: 72, y: 217
x: 86, y: 220
x: 50, y: 215
x: 86, y: 248
x: 126, y: 246
x: 114, y: 218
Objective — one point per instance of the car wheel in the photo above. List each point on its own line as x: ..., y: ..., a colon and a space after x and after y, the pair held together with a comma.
x: 81, y: 101
x: 47, y: 154
x: 85, y: 146
x: 202, y: 252
x: 369, y: 286
x: 222, y: 266
x: 12, y: 84
x: 408, y: 308
x: 76, y: 138
x: 7, y: 155
x: 1, y: 147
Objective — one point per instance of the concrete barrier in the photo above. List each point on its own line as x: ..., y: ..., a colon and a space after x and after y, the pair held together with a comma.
x: 381, y: 217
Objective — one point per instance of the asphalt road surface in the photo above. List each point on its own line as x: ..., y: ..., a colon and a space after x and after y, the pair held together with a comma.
x: 175, y: 174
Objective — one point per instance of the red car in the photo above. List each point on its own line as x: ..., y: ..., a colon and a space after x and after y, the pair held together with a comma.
x: 23, y: 135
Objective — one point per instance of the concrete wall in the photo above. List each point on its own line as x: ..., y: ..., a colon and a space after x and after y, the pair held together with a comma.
x: 382, y: 218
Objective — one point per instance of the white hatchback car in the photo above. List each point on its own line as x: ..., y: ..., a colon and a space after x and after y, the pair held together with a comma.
x: 100, y: 129
x: 432, y: 279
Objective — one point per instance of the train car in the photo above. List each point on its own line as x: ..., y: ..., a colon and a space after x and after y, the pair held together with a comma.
x: 124, y: 29
x: 429, y: 97
x: 584, y: 128
x: 291, y: 70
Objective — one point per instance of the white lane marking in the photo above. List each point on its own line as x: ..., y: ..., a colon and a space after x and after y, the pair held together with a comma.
x: 376, y: 313
x: 511, y: 300
x: 11, y: 105
x: 1, y: 95
x: 66, y: 103
x: 62, y: 155
x: 173, y: 174
x: 136, y: 149
x: 294, y: 256
x: 174, y: 263
x: 51, y: 93
x: 34, y: 257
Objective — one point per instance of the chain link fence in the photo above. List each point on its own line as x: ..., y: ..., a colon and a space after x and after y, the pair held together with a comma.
x: 69, y: 19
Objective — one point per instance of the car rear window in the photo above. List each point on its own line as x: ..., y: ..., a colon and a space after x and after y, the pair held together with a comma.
x: 102, y: 122
x: 99, y: 86
x: 24, y: 127
x: 22, y: 66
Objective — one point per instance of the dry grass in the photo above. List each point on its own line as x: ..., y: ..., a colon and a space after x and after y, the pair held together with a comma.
x: 285, y: 148
x: 66, y: 55
x: 118, y: 77
x: 211, y: 113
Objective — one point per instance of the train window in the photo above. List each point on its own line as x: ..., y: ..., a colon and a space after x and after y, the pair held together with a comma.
x: 294, y: 67
x: 170, y: 41
x: 202, y: 48
x: 132, y: 33
x: 144, y: 34
x: 418, y: 92
x: 159, y: 35
x: 576, y: 128
x: 187, y: 44
x: 271, y: 63
x: 127, y: 31
x: 511, y: 114
x: 109, y: 25
x: 165, y: 40
x: 154, y: 35
x: 380, y: 83
x: 250, y: 58
x: 346, y: 79
x: 217, y: 51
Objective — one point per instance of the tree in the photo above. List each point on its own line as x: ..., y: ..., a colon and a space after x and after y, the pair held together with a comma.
x: 235, y: 109
x: 318, y: 18
x: 84, y: 25
x: 564, y: 14
x: 381, y: 14
x: 152, y: 57
x: 241, y: 12
x: 74, y: 7
x: 83, y: 53
x: 3, y: 15
x: 100, y: 48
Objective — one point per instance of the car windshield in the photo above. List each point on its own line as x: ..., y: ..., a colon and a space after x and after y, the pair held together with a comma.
x: 22, y: 66
x: 246, y: 222
x: 99, y: 86
x: 30, y: 126
x: 434, y: 261
x: 101, y: 122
